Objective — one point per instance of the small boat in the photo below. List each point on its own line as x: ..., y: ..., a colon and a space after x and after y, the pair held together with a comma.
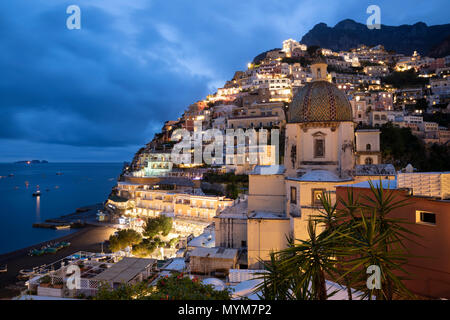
x: 37, y: 252
x: 26, y: 273
x: 3, y: 268
x: 62, y: 227
x: 50, y: 250
x: 37, y: 193
x: 65, y: 244
x: 59, y: 173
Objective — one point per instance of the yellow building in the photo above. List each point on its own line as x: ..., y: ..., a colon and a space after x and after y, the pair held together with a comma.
x: 151, y: 203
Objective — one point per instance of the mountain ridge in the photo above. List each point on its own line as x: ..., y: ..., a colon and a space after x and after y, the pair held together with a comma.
x: 348, y: 34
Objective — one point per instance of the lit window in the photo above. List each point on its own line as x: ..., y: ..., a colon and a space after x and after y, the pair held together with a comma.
x: 425, y: 217
x: 316, y: 196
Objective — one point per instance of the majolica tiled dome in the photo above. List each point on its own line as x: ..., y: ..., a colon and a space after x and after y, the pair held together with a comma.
x: 320, y: 101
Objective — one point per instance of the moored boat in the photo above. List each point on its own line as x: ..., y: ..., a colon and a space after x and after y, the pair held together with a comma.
x: 26, y: 273
x: 62, y: 227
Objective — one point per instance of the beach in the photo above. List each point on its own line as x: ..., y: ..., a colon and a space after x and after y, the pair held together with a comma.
x: 89, y: 239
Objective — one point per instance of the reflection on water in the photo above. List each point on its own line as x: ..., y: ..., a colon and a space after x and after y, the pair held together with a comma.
x: 38, y: 209
x: 65, y: 194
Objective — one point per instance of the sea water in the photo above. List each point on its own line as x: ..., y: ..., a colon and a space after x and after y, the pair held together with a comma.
x: 77, y: 185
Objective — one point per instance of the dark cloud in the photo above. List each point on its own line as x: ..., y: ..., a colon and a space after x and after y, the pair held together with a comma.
x: 108, y: 87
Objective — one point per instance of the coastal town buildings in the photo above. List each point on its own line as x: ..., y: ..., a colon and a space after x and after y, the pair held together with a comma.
x: 330, y: 110
x: 319, y: 155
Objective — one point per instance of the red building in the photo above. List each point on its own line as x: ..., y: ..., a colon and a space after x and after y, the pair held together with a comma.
x: 430, y: 218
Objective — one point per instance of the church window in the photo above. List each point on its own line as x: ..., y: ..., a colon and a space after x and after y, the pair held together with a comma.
x: 316, y: 196
x: 368, y: 147
x: 368, y: 161
x: 293, y: 195
x: 319, y: 148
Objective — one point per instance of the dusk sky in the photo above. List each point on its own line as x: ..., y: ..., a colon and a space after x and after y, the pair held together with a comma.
x: 100, y: 93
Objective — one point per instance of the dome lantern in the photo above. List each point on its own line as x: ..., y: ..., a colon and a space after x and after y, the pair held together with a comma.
x: 319, y: 69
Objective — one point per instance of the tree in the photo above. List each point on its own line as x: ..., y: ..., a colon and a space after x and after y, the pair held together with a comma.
x: 404, y: 79
x: 421, y: 104
x: 298, y: 272
x: 400, y: 147
x: 277, y: 284
x: 175, y: 287
x: 357, y: 235
x: 145, y: 248
x: 376, y: 239
x: 124, y: 292
x: 123, y: 239
x: 232, y: 190
x: 312, y: 50
x: 161, y: 225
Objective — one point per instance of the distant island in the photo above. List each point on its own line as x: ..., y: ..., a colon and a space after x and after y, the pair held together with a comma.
x: 32, y: 161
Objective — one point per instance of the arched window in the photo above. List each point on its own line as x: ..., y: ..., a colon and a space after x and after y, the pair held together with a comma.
x: 368, y: 161
x: 368, y: 147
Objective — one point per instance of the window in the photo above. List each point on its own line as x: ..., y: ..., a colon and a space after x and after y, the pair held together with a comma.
x: 319, y: 148
x: 293, y: 195
x: 243, y: 244
x: 316, y: 196
x: 425, y: 217
x: 368, y: 147
x: 368, y: 161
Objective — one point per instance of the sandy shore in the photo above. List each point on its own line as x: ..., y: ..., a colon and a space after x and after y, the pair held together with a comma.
x: 87, y: 239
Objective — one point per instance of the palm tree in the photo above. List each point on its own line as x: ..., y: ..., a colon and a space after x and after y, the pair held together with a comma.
x: 374, y: 238
x: 277, y: 284
x: 307, y: 262
x: 367, y: 249
x: 338, y: 223
x: 357, y: 235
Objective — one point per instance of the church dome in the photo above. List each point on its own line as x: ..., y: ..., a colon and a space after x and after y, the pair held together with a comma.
x: 320, y: 101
